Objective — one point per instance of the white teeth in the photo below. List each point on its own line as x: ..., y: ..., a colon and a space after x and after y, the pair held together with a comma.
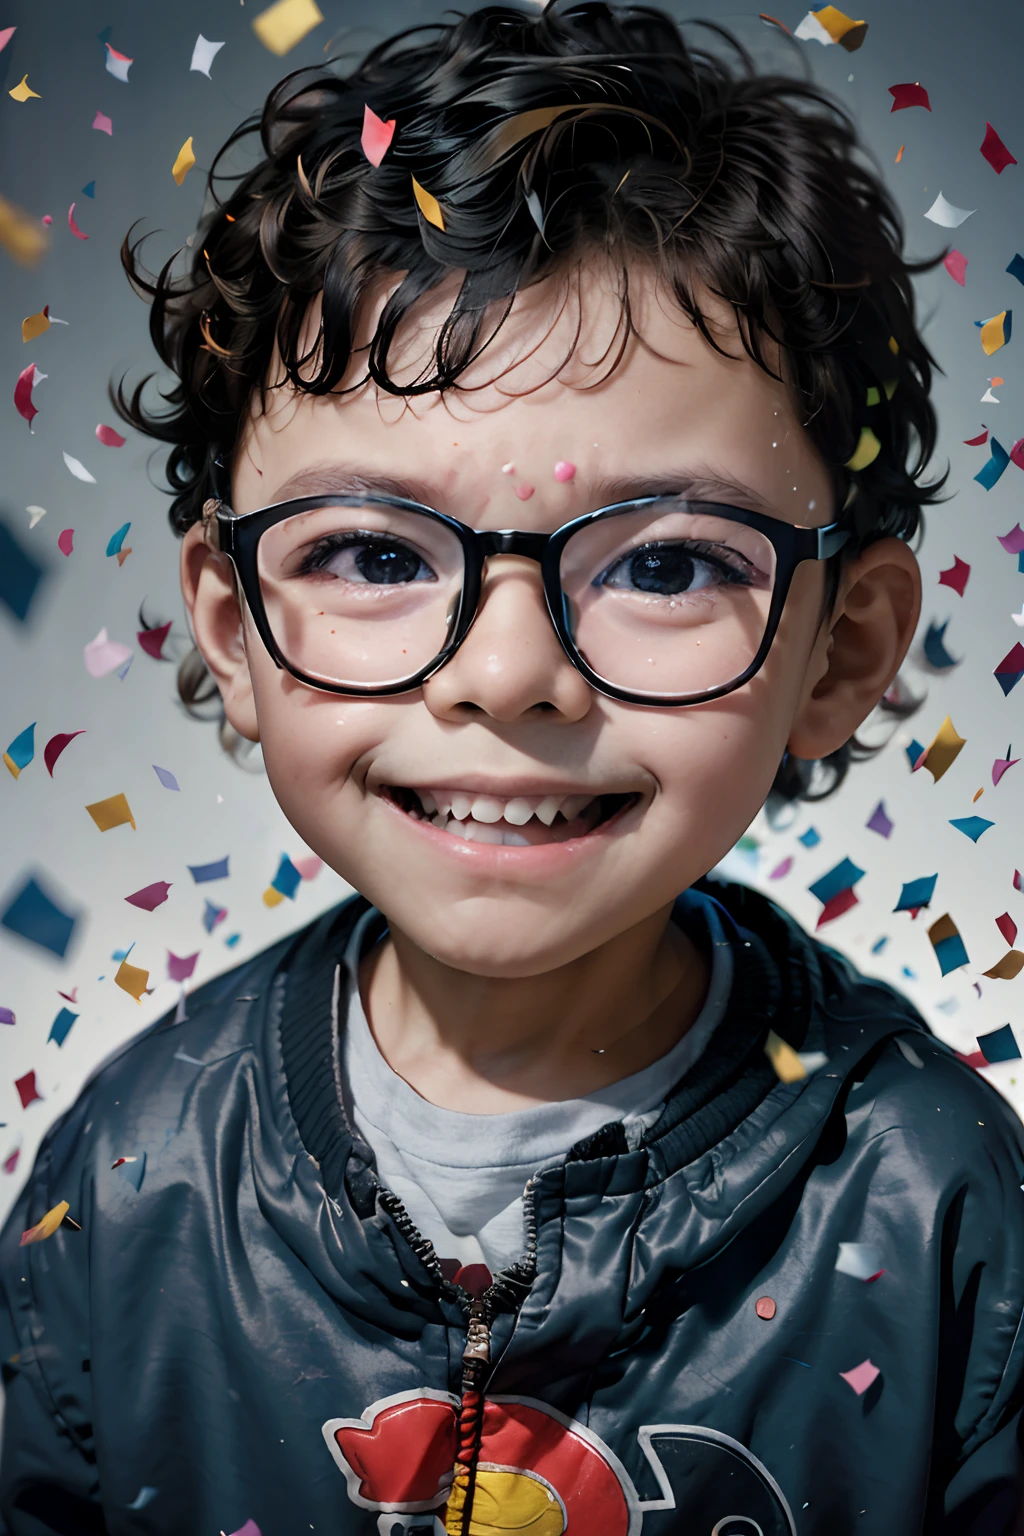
x: 427, y: 801
x: 518, y: 812
x: 443, y: 802
x: 548, y: 809
x: 485, y: 808
x: 515, y: 840
x: 572, y: 805
x: 461, y: 805
x: 480, y: 832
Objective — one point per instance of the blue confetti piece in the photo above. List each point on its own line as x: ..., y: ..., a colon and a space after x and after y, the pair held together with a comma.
x: 117, y: 539
x: 842, y: 877
x: 20, y: 575
x: 61, y: 1026
x: 916, y: 893
x: 1016, y: 268
x: 1000, y: 1045
x: 233, y: 940
x: 166, y: 778
x: 810, y: 838
x: 216, y: 871
x: 33, y: 915
x: 989, y: 473
x: 950, y: 953
x: 287, y: 880
x: 212, y: 916
x: 972, y: 826
x: 935, y: 649
x: 909, y: 973
x: 124, y: 670
x: 142, y: 1498
x: 879, y: 944
x: 1020, y: 562
x: 22, y: 749
x: 89, y: 190
x: 914, y: 752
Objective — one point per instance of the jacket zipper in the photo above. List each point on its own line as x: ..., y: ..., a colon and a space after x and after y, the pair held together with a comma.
x: 506, y: 1293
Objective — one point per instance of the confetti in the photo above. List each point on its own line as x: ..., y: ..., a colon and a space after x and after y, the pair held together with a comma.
x: 861, y: 1377
x: 1000, y: 1045
x: 971, y: 826
x: 913, y: 95
x: 150, y: 896
x: 1012, y: 542
x: 934, y: 647
x: 47, y: 1226
x: 21, y: 751
x: 955, y: 263
x: 995, y: 151
x: 146, y: 1495
x: 103, y: 124
x: 947, y: 943
x: 989, y: 473
x: 764, y: 1306
x: 879, y: 821
x: 787, y: 1064
x: 24, y: 91
x: 20, y: 235
x: 524, y: 492
x: 212, y: 915
x: 309, y: 867
x: 908, y: 1053
x: 34, y: 915
x: 916, y: 894
x: 977, y: 442
x: 250, y: 1528
x: 564, y: 470
x: 1017, y: 453
x: 61, y: 1026
x: 112, y: 812
x: 89, y: 190
x: 7, y: 1017
x: 287, y: 879
x: 944, y: 213
x: 118, y: 64
x: 282, y: 27
x: 944, y: 749
x: 28, y: 1093
x: 203, y: 872
x: 1008, y: 967
x: 152, y: 640
x: 35, y: 513
x: 830, y: 26
x: 184, y: 162
x: 1016, y: 267
x: 376, y: 135
x: 956, y: 576
x: 995, y: 332
x: 1000, y: 766
x: 861, y: 1260
x: 79, y: 470
x: 203, y: 55
x: 1011, y: 669
x: 25, y: 406
x: 116, y: 540
x: 131, y: 979
x: 166, y: 778
x: 866, y: 452
x: 103, y: 655
x: 428, y: 205
x: 781, y: 870
x: 180, y: 967
x: 810, y: 839
x: 79, y: 234
x: 6, y: 33
x: 133, y: 1169
x: 109, y: 438
x: 35, y: 325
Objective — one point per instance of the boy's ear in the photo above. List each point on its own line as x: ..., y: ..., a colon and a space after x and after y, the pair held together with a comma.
x: 215, y: 608
x: 860, y: 647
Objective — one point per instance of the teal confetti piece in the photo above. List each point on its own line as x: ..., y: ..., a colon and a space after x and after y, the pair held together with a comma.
x: 117, y: 539
x: 21, y: 750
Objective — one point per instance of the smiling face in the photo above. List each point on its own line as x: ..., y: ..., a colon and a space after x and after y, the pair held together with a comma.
x: 509, y: 718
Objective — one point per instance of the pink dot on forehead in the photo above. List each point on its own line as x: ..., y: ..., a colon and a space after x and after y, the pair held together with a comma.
x: 564, y: 470
x: 508, y: 469
x: 524, y: 492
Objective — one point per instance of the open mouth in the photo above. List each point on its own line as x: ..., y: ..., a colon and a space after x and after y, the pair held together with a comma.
x: 525, y: 821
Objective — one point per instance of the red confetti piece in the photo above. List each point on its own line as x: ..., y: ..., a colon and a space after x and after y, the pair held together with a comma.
x: 973, y: 1059
x: 27, y: 1090
x: 102, y: 123
x: 1017, y: 453
x: 764, y: 1306
x: 837, y: 905
x: 66, y: 541
x: 55, y: 746
x: 956, y: 576
x: 956, y: 265
x: 899, y: 153
x: 774, y: 22
x: 69, y: 997
x: 995, y: 151
x: 109, y: 438
x: 78, y: 233
x: 376, y: 136
x: 23, y: 393
x: 150, y: 896
x: 152, y: 640
x: 1007, y: 927
x: 913, y: 95
x: 1017, y: 881
x: 12, y: 1162
x: 976, y: 442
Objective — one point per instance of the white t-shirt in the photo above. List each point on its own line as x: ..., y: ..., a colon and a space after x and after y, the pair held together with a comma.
x: 461, y: 1177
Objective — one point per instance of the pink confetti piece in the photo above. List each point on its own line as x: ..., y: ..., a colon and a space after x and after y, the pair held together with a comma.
x: 150, y: 896
x: 11, y: 1162
x: 55, y: 746
x: 1000, y: 766
x: 6, y: 33
x: 782, y: 870
x: 524, y: 492
x: 309, y: 868
x: 23, y: 402
x: 180, y: 967
x: 376, y: 136
x: 66, y: 541
x: 109, y: 438
x: 152, y: 640
x: 995, y: 151
x: 78, y: 233
x: 979, y: 441
x: 1012, y: 542
x: 564, y: 470
x: 1017, y: 453
x: 250, y: 1528
x: 861, y: 1377
x: 102, y: 655
x: 103, y: 124
x: 47, y: 218
x: 956, y: 265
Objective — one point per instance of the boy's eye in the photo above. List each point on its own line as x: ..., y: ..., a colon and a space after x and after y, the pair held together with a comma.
x: 360, y: 557
x: 673, y: 569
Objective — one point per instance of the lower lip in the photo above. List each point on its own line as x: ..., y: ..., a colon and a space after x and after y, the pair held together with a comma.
x: 540, y: 859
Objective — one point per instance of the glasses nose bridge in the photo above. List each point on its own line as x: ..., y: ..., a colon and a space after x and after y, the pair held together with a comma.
x: 511, y: 541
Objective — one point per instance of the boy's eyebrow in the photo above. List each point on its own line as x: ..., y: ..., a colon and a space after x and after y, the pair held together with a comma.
x: 698, y: 481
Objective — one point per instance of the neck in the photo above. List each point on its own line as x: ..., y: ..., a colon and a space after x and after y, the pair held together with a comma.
x: 487, y: 1045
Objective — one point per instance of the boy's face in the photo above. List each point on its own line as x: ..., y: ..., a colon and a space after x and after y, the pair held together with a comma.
x: 509, y: 715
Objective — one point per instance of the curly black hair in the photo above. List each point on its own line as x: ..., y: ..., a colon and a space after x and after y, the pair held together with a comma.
x: 751, y: 186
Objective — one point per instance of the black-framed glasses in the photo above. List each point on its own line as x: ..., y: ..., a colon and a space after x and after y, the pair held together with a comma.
x: 661, y: 601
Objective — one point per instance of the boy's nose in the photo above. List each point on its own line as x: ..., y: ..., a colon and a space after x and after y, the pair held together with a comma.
x: 511, y: 662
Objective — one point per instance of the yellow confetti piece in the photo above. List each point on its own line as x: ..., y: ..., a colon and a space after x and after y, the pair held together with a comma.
x: 894, y: 346
x: 978, y: 793
x: 428, y: 205
x: 11, y: 765
x: 113, y: 812
x: 890, y: 387
x: 47, y: 1227
x: 132, y: 979
x: 184, y: 163
x: 271, y: 897
x: 944, y: 749
x: 282, y: 26
x: 867, y: 450
x: 873, y: 397
x: 788, y: 1066
x: 993, y: 333
x: 34, y: 325
x: 20, y: 236
x: 23, y: 91
x: 1008, y: 967
x: 842, y: 29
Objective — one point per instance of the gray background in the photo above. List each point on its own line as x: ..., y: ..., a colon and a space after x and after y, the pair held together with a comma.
x: 968, y: 60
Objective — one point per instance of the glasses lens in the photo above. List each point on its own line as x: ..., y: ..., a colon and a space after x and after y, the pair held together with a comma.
x: 668, y: 599
x: 363, y: 595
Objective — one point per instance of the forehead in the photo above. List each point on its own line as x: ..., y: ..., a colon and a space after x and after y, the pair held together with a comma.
x: 563, y: 379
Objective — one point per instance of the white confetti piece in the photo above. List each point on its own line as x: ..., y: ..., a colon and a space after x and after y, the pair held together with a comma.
x: 203, y: 55
x: 944, y: 213
x: 79, y: 470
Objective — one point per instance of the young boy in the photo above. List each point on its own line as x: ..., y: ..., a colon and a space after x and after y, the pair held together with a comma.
x: 546, y: 444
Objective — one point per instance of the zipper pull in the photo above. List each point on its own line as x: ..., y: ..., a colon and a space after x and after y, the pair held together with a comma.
x: 477, y: 1352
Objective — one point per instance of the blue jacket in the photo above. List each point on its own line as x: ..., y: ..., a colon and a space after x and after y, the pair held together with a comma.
x: 248, y: 1327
